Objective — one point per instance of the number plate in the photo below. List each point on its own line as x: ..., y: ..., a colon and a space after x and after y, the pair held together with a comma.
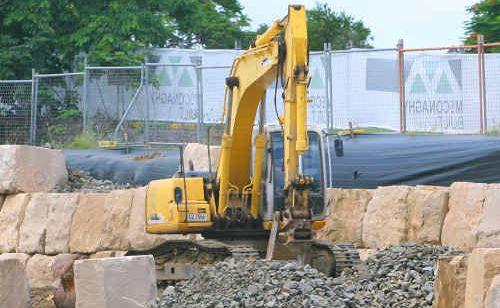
x: 197, y: 217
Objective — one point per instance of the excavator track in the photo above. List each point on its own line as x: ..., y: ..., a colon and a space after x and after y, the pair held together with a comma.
x: 180, y: 259
x: 333, y: 258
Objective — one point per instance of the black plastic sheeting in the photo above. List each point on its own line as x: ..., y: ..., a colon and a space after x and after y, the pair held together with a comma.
x: 120, y: 166
x: 369, y: 161
x: 392, y: 159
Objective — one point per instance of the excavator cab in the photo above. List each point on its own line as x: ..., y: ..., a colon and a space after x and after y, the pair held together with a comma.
x: 315, y: 165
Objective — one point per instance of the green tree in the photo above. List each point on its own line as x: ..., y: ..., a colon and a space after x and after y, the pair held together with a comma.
x: 119, y: 32
x: 485, y: 20
x: 29, y: 37
x: 338, y: 28
x: 211, y: 24
x: 53, y: 35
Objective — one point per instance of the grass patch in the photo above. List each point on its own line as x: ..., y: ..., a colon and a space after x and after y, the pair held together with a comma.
x: 422, y: 132
x: 361, y: 130
x: 495, y: 132
x: 84, y: 141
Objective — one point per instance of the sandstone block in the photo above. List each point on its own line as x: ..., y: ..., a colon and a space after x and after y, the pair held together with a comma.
x: 100, y: 222
x: 136, y: 233
x: 46, y: 274
x: 465, y: 210
x: 30, y: 169
x: 484, y: 265
x: 40, y: 271
x: 22, y: 257
x: 427, y: 208
x: 87, y: 223
x: 347, y: 208
x: 116, y: 220
x: 386, y: 219
x: 59, y: 215
x: 449, y: 287
x: 32, y: 233
x: 197, y: 153
x: 493, y: 296
x: 115, y: 282
x: 11, y: 218
x: 488, y: 228
x: 14, y: 289
x: 41, y: 277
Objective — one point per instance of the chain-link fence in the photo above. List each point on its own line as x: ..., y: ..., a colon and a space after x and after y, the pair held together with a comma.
x: 111, y: 107
x: 175, y: 101
x: 449, y: 89
x: 181, y: 95
x: 59, y: 104
x: 365, y: 89
x: 15, y: 111
x: 490, y: 65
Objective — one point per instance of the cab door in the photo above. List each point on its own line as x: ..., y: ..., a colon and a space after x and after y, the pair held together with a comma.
x: 313, y: 163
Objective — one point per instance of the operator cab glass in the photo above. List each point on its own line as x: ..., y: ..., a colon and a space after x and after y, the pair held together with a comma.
x: 311, y: 165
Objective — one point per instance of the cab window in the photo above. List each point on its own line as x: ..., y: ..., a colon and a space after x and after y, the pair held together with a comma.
x: 311, y: 165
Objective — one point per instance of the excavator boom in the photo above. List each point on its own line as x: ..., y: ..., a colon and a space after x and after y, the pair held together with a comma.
x: 252, y: 73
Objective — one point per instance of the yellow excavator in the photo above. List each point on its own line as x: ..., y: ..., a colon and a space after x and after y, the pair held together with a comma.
x: 267, y: 197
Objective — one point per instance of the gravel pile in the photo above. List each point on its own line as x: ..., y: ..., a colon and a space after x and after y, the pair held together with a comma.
x: 81, y: 181
x: 400, y: 276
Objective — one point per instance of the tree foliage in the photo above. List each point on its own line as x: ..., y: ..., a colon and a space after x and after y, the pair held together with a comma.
x: 485, y: 20
x: 53, y: 35
x: 212, y: 24
x: 337, y: 28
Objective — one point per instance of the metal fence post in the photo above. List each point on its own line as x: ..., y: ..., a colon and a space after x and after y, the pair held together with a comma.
x: 401, y: 80
x: 327, y: 95
x: 328, y: 84
x: 330, y: 78
x: 34, y: 107
x: 482, y: 88
x: 199, y: 90
x: 147, y: 112
x: 84, y: 100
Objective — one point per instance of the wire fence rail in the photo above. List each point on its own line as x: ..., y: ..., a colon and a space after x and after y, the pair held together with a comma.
x: 178, y: 96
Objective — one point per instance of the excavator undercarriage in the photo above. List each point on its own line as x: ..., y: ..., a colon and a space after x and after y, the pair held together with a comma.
x: 180, y: 259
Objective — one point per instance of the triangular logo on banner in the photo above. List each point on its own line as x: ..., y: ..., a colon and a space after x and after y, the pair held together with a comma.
x: 174, y: 60
x: 443, y: 86
x: 418, y: 85
x: 430, y: 70
x: 164, y: 79
x: 185, y: 80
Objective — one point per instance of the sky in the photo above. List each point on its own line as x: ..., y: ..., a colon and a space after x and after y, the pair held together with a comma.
x: 420, y: 23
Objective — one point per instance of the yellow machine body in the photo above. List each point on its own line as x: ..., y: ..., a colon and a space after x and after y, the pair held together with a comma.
x: 240, y: 178
x: 165, y: 215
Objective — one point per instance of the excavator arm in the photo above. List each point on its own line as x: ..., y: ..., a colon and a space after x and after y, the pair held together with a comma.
x: 280, y: 52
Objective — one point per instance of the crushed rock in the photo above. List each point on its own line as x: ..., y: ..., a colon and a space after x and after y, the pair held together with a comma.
x: 82, y: 181
x: 398, y: 276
